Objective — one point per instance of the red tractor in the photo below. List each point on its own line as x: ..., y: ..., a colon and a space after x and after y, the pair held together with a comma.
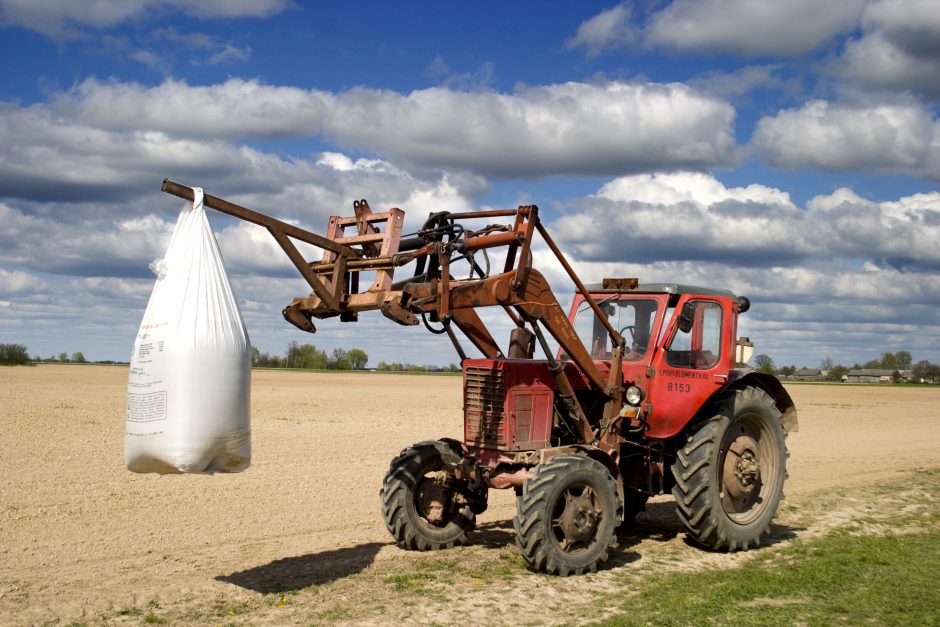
x: 642, y: 396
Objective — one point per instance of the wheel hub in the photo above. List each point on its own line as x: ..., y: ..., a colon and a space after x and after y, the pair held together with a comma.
x: 741, y: 471
x: 433, y: 498
x: 578, y: 520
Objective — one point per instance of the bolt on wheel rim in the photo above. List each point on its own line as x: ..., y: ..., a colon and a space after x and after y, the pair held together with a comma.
x: 576, y: 518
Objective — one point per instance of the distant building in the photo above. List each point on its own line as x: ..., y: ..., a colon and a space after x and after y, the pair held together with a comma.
x: 870, y: 375
x: 809, y: 374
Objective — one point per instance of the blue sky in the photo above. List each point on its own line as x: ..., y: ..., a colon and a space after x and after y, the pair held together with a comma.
x: 787, y: 151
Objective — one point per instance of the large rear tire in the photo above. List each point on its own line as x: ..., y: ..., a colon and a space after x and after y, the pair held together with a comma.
x: 418, y: 500
x: 566, y: 516
x: 730, y: 473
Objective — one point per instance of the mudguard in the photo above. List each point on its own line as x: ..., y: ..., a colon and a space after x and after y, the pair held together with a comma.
x: 741, y: 377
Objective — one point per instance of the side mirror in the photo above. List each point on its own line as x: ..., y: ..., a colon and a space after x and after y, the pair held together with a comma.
x: 686, y: 317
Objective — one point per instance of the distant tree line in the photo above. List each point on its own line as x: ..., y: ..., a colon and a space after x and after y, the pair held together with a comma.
x: 14, y: 355
x: 309, y: 357
x: 895, y: 362
x: 298, y: 356
x: 76, y: 358
x: 399, y: 367
x: 18, y: 355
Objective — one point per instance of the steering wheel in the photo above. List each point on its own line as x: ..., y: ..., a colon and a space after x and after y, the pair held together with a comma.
x: 629, y: 328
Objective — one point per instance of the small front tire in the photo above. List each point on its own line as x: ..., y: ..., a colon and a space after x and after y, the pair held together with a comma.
x: 419, y: 501
x: 567, y: 514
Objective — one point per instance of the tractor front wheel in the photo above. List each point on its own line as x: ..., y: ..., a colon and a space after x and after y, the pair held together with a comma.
x: 730, y: 472
x: 419, y: 501
x: 566, y: 516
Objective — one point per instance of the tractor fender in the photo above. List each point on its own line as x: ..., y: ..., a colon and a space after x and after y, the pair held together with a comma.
x: 595, y: 453
x: 588, y: 450
x: 457, y: 446
x: 744, y: 377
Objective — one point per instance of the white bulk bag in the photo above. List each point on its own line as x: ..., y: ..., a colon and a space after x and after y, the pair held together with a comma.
x: 189, y: 390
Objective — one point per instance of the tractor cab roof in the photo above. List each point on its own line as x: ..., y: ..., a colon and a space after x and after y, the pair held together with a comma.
x: 674, y: 289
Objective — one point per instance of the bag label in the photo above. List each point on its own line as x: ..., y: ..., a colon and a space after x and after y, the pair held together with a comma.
x: 146, y: 407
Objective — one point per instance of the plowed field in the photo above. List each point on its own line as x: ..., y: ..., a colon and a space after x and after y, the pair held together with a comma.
x: 298, y: 536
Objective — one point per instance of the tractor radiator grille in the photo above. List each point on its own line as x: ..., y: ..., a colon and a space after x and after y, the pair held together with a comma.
x: 484, y: 409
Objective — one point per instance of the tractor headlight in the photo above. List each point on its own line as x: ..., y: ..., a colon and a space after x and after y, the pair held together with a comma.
x: 634, y: 395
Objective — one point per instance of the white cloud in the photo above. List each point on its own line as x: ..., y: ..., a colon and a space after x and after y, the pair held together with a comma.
x: 170, y: 49
x: 62, y: 18
x: 682, y: 216
x: 47, y: 157
x: 902, y: 233
x: 609, y: 29
x: 15, y: 282
x: 229, y: 54
x: 902, y: 138
x: 678, y: 187
x: 875, y: 62
x: 751, y: 27
x: 196, y: 48
x: 737, y: 83
x: 570, y: 128
x: 97, y: 248
x: 747, y: 28
x: 338, y: 161
x: 231, y: 8
x: 480, y: 79
x: 234, y: 109
x: 913, y: 25
x: 691, y: 216
x: 898, y: 50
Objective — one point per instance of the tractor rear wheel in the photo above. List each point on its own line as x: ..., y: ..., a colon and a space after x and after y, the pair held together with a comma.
x: 418, y: 499
x: 730, y: 473
x: 566, y: 516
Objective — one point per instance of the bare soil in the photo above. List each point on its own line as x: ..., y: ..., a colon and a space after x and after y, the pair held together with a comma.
x: 298, y: 538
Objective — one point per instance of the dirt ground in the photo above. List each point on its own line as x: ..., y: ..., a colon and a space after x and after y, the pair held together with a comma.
x: 84, y: 540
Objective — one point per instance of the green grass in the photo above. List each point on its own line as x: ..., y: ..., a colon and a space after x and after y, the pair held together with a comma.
x: 841, y: 578
x: 416, y: 582
x: 129, y: 611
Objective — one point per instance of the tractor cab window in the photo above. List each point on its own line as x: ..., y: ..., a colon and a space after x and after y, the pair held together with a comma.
x: 634, y: 318
x: 697, y: 342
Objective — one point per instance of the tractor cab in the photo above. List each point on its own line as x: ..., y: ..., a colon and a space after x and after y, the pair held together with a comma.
x: 679, y: 344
